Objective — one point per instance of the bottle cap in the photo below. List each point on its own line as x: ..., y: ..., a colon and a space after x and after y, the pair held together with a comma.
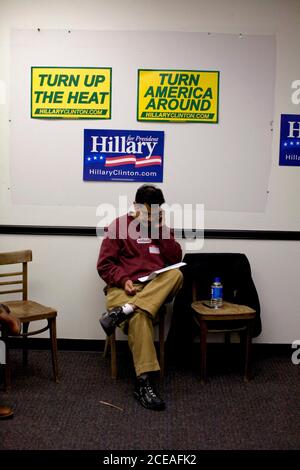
x: 217, y: 279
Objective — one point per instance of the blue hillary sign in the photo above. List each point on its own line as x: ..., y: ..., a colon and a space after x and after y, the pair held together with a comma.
x: 289, y: 153
x: 117, y: 155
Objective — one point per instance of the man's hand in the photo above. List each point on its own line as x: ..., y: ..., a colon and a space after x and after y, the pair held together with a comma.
x: 129, y: 287
x: 9, y: 321
x: 161, y: 219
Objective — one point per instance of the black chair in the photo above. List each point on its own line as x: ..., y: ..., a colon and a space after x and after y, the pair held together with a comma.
x: 238, y: 288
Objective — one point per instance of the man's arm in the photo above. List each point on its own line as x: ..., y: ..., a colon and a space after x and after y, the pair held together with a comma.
x: 170, y: 249
x: 108, y: 265
x: 9, y: 321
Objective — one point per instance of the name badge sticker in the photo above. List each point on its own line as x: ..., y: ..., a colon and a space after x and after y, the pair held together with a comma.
x: 144, y: 240
x: 154, y: 250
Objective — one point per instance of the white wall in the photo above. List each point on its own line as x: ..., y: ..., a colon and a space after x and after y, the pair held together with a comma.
x: 63, y: 272
x: 233, y: 153
x: 63, y: 275
x: 224, y: 16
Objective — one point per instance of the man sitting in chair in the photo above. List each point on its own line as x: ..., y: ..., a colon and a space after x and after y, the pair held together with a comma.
x: 13, y: 327
x: 134, y: 246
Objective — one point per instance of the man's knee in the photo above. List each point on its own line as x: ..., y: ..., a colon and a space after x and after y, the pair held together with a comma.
x: 176, y: 276
x: 179, y: 274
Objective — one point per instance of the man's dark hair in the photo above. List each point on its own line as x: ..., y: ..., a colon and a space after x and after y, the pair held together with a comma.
x: 149, y: 194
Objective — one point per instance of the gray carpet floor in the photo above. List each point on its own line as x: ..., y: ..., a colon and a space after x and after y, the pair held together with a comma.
x: 225, y: 413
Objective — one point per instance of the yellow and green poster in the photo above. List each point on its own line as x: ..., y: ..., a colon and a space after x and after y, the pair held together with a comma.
x: 71, y: 93
x: 178, y: 95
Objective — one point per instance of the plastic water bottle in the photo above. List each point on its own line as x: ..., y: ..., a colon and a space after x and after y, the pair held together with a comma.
x: 216, y: 293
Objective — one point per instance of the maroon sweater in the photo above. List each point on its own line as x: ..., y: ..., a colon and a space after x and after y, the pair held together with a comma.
x: 125, y: 257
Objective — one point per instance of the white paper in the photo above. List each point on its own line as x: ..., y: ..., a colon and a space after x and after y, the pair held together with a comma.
x: 155, y: 273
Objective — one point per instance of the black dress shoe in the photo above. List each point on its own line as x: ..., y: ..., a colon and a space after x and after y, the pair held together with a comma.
x: 110, y: 320
x: 146, y: 395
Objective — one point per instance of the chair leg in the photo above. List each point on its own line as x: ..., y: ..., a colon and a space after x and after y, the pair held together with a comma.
x: 203, y: 346
x: 110, y: 344
x: 227, y: 337
x: 52, y: 328
x: 106, y: 347
x: 113, y: 356
x: 25, y: 344
x: 248, y: 345
x: 7, y: 366
x: 162, y: 345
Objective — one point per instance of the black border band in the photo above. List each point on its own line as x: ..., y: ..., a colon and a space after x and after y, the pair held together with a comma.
x: 208, y: 233
x: 96, y: 345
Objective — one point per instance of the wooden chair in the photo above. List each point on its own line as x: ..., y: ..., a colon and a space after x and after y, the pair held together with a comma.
x: 227, y: 319
x: 26, y: 310
x: 238, y: 288
x: 110, y: 343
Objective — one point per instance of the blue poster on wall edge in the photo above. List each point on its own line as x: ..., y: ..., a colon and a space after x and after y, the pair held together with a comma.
x: 123, y: 155
x: 289, y: 152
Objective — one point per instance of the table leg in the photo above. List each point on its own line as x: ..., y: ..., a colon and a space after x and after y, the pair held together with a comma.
x: 203, y: 344
x: 248, y: 344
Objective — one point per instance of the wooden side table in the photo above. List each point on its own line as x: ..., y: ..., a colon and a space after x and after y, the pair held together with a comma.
x: 205, y: 318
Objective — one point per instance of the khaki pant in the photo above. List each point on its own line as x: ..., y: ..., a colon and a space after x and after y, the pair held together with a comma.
x: 148, y: 300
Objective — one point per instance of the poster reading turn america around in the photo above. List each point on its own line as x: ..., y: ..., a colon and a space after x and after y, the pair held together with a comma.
x: 178, y: 95
x: 71, y: 93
